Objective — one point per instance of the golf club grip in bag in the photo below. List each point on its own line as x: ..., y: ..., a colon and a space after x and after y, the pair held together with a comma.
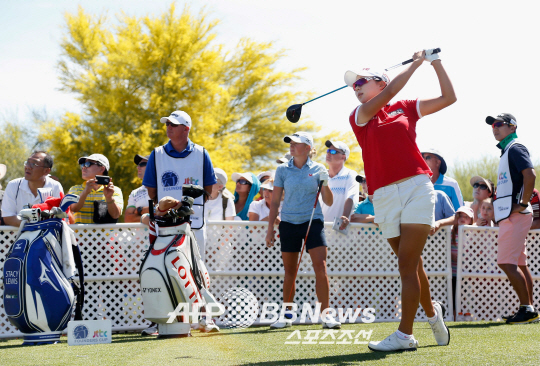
x: 172, y: 272
x: 39, y: 293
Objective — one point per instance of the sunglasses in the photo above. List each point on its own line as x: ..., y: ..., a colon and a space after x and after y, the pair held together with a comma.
x: 334, y: 152
x: 499, y: 124
x: 142, y: 164
x: 481, y: 186
x: 88, y: 164
x: 170, y: 124
x: 426, y: 157
x: 242, y: 182
x: 32, y: 165
x: 363, y: 81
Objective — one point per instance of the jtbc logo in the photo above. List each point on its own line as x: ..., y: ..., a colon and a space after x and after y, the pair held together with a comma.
x: 100, y: 334
x: 191, y: 180
x: 186, y: 277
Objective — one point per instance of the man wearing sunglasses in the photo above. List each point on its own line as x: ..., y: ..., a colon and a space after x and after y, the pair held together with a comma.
x: 513, y: 213
x: 180, y: 162
x: 342, y: 183
x: 35, y: 187
x: 138, y: 198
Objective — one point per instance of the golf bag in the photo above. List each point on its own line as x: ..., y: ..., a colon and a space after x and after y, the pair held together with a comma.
x: 172, y: 271
x: 39, y: 290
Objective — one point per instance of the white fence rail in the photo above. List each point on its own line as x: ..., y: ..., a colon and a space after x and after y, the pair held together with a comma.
x: 361, y: 267
x: 483, y: 290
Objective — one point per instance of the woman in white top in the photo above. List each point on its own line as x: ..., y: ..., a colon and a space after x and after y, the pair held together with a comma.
x: 220, y: 199
x: 260, y: 210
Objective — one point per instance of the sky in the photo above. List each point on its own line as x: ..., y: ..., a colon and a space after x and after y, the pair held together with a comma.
x: 486, y: 50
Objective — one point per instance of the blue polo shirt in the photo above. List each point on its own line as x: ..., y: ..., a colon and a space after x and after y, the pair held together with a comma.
x: 150, y: 178
x: 443, y: 207
x: 451, y: 187
x: 300, y: 187
x: 365, y: 207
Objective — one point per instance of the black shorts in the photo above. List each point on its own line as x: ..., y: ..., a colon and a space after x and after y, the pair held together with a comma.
x: 292, y: 235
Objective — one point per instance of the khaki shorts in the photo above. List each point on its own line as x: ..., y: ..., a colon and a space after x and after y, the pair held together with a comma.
x: 512, y: 242
x: 408, y: 202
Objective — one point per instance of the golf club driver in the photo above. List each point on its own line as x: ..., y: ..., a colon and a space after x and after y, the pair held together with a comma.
x: 291, y: 296
x: 294, y: 111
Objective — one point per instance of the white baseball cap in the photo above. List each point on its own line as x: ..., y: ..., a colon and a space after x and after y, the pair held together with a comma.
x: 268, y: 173
x: 221, y: 175
x: 285, y: 158
x: 339, y: 145
x: 443, y: 167
x: 269, y: 184
x: 300, y: 137
x: 246, y: 176
x: 96, y: 157
x: 178, y: 118
x: 367, y: 72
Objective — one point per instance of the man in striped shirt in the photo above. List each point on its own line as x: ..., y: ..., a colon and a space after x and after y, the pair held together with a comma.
x: 90, y: 191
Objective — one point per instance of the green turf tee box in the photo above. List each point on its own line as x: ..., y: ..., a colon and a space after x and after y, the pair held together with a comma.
x: 85, y: 332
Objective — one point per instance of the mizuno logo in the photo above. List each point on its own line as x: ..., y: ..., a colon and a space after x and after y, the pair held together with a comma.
x: 45, y: 277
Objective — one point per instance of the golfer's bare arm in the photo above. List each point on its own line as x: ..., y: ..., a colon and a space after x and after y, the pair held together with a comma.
x: 327, y: 196
x: 448, y: 96
x: 367, y: 110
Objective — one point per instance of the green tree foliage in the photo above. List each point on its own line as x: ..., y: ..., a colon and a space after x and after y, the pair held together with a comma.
x: 16, y: 143
x: 130, y: 74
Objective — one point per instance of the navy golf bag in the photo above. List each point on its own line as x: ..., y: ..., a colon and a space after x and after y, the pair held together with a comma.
x: 39, y: 289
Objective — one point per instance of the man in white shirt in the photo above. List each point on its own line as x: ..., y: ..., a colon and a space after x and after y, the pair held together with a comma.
x: 35, y: 187
x: 342, y: 182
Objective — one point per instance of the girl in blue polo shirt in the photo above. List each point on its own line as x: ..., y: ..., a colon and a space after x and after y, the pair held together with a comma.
x: 300, y: 178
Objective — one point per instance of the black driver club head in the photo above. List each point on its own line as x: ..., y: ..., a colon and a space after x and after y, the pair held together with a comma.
x: 293, y: 112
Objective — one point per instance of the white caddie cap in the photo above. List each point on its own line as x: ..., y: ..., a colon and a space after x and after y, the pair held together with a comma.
x: 300, y: 137
x: 339, y: 145
x: 178, y: 118
x: 246, y: 176
x: 221, y: 175
x: 367, y: 72
x: 96, y: 157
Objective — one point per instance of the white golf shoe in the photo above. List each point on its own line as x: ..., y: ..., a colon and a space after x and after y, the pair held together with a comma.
x: 208, y: 326
x: 331, y: 324
x: 281, y: 323
x: 393, y: 343
x: 439, y: 328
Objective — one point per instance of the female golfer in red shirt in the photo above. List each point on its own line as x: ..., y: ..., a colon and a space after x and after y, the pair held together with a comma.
x: 398, y: 179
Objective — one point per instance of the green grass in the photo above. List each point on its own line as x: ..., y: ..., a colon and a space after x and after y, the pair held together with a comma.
x: 471, y: 344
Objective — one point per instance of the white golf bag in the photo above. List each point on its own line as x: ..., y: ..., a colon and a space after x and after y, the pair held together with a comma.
x: 172, y: 271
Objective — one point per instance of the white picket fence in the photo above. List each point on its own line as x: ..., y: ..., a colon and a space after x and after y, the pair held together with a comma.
x: 361, y: 267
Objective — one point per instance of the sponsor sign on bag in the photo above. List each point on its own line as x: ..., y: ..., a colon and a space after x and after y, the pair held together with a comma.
x: 85, y: 332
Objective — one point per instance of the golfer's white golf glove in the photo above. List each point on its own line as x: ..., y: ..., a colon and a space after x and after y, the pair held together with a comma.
x: 323, y: 176
x: 430, y: 56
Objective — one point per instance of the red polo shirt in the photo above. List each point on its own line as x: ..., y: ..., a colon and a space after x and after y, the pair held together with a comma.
x: 388, y: 143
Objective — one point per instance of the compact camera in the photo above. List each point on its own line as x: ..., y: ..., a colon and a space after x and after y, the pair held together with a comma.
x: 103, y: 179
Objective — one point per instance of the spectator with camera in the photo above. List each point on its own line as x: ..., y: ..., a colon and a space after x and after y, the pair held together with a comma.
x: 138, y: 198
x: 100, y: 201
x: 35, y: 187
